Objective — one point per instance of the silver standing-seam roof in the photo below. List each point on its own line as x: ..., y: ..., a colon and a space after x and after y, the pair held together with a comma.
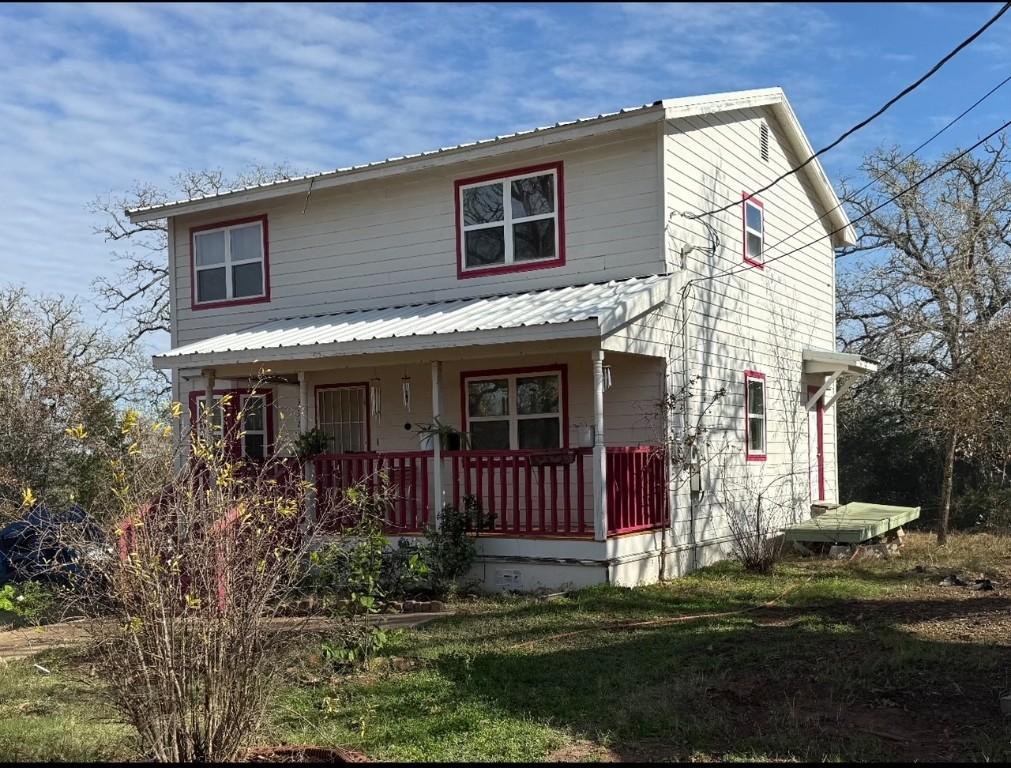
x: 592, y: 310
x: 665, y: 109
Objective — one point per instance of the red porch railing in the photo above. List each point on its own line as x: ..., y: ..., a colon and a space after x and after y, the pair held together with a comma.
x: 637, y: 497
x: 529, y: 493
x: 404, y: 476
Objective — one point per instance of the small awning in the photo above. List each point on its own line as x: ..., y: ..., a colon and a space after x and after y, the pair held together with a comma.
x: 582, y: 311
x: 843, y: 367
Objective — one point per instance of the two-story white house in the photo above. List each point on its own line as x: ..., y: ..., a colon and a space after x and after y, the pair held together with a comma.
x: 542, y: 292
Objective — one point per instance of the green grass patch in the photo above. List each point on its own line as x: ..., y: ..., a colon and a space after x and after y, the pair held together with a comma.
x: 820, y: 660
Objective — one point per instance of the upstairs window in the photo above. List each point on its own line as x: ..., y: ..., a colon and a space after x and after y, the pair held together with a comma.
x: 510, y: 221
x: 754, y: 231
x: 754, y: 416
x: 230, y: 263
x: 507, y: 411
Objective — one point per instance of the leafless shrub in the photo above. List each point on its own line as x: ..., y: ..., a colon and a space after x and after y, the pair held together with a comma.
x: 185, y: 599
x: 755, y: 514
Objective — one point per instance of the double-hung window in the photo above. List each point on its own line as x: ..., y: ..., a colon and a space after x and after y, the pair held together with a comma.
x: 508, y: 411
x: 755, y: 432
x: 754, y: 230
x: 254, y: 426
x: 230, y: 262
x: 243, y: 420
x: 512, y: 221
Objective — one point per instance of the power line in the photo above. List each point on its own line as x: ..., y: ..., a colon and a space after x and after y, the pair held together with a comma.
x: 863, y: 123
x: 876, y: 179
x: 892, y: 199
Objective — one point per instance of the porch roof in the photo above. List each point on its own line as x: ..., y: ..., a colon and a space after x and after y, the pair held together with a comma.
x: 581, y: 311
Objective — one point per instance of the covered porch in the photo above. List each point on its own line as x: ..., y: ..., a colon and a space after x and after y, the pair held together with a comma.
x: 560, y: 418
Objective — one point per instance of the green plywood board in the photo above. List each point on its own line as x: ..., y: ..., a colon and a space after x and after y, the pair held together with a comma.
x: 852, y: 523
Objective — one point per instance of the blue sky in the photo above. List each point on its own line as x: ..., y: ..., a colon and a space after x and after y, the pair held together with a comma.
x: 97, y: 97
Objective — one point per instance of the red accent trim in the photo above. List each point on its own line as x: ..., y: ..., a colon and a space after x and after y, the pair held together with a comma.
x: 748, y: 455
x: 194, y: 305
x: 746, y: 198
x: 232, y: 410
x: 560, y: 368
x: 821, y: 441
x: 558, y: 168
x: 368, y: 404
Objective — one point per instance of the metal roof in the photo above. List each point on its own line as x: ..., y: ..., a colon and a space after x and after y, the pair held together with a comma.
x: 595, y: 309
x: 401, y: 158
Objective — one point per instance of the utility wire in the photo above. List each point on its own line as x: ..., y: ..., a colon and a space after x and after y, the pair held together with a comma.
x: 863, y: 123
x: 877, y: 208
x: 876, y: 179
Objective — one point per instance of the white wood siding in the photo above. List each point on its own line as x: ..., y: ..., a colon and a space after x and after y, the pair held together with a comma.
x: 759, y: 319
x: 389, y: 242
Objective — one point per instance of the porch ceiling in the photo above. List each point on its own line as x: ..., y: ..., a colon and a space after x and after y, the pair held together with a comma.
x: 582, y: 311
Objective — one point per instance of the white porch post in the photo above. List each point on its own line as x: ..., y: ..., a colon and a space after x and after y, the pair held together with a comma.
x: 599, y: 454
x: 303, y: 403
x: 309, y: 469
x: 209, y: 395
x: 437, y: 444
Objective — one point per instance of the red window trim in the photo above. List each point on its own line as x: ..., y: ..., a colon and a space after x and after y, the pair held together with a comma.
x: 820, y: 425
x: 745, y: 199
x: 558, y: 168
x: 560, y: 368
x: 232, y: 410
x: 348, y: 385
x: 194, y: 304
x: 748, y: 455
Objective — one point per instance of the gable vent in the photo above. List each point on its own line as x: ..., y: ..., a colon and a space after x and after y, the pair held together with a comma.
x: 763, y: 141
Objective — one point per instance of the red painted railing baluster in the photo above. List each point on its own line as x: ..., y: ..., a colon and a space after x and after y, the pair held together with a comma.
x: 567, y: 496
x: 580, y: 494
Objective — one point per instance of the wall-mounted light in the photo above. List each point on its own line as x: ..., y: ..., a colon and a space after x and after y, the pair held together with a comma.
x: 607, y: 377
x: 405, y: 389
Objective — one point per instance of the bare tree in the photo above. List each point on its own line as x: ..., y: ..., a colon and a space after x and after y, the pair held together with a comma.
x: 138, y: 293
x: 937, y: 269
x: 61, y: 383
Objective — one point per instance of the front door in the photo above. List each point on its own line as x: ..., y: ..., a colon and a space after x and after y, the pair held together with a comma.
x: 816, y: 445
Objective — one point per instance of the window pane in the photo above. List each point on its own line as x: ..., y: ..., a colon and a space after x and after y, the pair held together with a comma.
x: 756, y: 398
x: 247, y: 243
x: 756, y: 435
x: 211, y: 284
x: 482, y: 205
x: 537, y: 394
x: 488, y: 398
x: 253, y: 414
x: 534, y: 240
x: 247, y: 279
x: 210, y: 248
x: 533, y: 196
x: 538, y: 433
x: 485, y: 246
x: 254, y: 446
x: 754, y: 247
x: 754, y: 214
x: 489, y: 435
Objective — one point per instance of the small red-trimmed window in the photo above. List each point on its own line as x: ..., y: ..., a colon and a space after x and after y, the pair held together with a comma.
x: 754, y: 231
x: 510, y: 222
x: 755, y: 432
x: 230, y: 262
x: 514, y: 411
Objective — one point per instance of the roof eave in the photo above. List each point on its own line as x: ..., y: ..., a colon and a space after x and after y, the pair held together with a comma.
x: 624, y: 120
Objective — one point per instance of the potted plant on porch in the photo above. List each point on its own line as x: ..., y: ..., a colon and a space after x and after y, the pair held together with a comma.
x: 449, y: 437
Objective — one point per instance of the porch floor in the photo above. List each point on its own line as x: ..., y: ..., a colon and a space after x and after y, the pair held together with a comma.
x: 852, y: 523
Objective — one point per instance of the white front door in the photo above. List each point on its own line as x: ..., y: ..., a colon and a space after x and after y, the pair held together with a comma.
x: 816, y: 446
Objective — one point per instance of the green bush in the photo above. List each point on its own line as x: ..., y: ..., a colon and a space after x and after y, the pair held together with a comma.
x: 449, y: 550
